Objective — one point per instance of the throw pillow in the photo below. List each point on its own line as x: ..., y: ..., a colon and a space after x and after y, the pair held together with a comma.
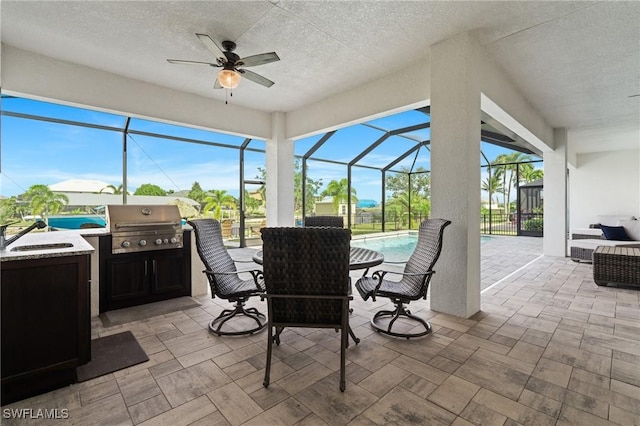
x: 616, y: 233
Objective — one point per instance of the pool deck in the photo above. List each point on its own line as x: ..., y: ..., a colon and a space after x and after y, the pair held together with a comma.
x: 549, y: 347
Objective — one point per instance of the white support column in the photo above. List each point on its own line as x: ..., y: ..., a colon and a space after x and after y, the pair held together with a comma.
x: 280, y: 173
x: 555, y: 197
x: 455, y: 174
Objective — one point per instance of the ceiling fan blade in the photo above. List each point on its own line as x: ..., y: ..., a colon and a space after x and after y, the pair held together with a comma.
x: 180, y: 61
x: 261, y: 59
x: 256, y: 78
x: 211, y: 45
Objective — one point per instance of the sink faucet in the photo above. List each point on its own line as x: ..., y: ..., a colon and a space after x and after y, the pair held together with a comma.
x: 4, y: 242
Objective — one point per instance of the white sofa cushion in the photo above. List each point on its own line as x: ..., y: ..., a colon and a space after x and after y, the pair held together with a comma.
x: 632, y: 227
x: 592, y: 244
x: 612, y: 220
x: 594, y: 232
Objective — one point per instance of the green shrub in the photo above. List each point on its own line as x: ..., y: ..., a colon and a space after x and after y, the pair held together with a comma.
x: 535, y: 224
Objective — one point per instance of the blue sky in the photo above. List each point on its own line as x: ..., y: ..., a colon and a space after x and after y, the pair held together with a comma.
x: 37, y: 152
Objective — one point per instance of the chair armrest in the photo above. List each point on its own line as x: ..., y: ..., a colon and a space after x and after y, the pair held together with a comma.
x: 210, y: 272
x: 379, y: 275
x: 382, y: 273
x: 257, y: 275
x: 305, y: 296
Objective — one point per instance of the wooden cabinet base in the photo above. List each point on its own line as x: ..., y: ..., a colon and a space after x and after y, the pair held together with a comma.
x: 18, y: 388
x: 134, y: 279
x: 46, y: 328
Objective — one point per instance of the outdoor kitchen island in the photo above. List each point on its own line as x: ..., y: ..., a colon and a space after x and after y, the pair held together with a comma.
x: 146, y: 257
x: 50, y: 295
x: 46, y: 327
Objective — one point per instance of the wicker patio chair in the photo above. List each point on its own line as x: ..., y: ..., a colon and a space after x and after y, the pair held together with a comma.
x: 306, y: 274
x: 330, y: 221
x: 224, y: 280
x: 413, y: 284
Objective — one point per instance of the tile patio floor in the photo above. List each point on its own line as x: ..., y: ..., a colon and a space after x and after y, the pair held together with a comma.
x: 548, y: 347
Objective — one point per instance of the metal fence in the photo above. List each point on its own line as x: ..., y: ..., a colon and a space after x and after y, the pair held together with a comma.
x: 495, y: 224
x: 529, y: 224
x: 498, y: 224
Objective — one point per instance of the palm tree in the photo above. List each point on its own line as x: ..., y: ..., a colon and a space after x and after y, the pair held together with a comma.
x: 43, y: 201
x: 509, y: 163
x: 116, y: 190
x: 252, y: 204
x: 529, y: 174
x: 339, y: 191
x: 216, y: 200
x: 493, y: 185
x: 420, y: 206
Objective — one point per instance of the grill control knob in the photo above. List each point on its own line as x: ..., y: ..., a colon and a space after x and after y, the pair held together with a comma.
x: 125, y: 244
x: 142, y: 243
x: 173, y: 240
x: 166, y: 241
x: 158, y: 241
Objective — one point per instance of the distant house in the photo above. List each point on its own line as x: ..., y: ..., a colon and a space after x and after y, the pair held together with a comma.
x: 88, y: 198
x: 95, y: 194
x: 81, y: 185
x: 81, y: 200
x: 325, y: 207
x: 496, y: 208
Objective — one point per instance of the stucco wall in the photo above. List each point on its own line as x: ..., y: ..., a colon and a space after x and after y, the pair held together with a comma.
x: 604, y: 183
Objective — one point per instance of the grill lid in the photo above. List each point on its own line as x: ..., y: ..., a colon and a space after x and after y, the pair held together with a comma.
x: 137, y: 228
x: 130, y: 217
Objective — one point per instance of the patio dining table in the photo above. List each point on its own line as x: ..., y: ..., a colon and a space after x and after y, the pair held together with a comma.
x: 359, y: 258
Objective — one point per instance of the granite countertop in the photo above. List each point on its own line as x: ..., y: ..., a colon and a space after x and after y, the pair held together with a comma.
x: 75, y: 237
x: 78, y: 245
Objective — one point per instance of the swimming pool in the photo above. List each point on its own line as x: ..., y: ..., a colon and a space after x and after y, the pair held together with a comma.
x: 395, y: 248
x: 75, y: 221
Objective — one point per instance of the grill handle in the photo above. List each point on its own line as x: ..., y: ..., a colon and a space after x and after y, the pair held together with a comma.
x: 145, y: 224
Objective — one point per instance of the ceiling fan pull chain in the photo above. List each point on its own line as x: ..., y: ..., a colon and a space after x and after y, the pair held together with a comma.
x: 227, y: 94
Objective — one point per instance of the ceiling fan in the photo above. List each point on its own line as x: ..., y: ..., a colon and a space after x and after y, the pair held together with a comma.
x: 232, y: 65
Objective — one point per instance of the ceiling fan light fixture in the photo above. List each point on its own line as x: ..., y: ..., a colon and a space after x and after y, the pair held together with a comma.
x: 229, y: 79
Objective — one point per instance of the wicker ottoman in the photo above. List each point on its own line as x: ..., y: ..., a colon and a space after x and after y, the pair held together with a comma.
x: 616, y: 265
x: 579, y: 254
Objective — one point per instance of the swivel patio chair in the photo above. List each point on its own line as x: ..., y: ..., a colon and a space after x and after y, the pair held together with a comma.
x: 306, y: 274
x: 413, y: 284
x: 330, y: 221
x: 224, y: 280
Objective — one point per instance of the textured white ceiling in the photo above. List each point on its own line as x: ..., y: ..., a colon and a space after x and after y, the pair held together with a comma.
x: 577, y: 62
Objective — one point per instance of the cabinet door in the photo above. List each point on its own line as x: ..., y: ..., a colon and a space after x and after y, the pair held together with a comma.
x: 128, y: 277
x: 45, y: 324
x: 168, y: 273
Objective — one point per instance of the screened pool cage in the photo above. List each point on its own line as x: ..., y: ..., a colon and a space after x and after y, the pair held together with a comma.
x: 397, y: 159
x: 376, y: 175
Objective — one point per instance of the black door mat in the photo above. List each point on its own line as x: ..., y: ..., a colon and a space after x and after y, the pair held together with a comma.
x: 148, y: 310
x: 111, y: 353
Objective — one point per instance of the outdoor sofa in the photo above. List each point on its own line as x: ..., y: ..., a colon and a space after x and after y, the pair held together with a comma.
x: 584, y: 241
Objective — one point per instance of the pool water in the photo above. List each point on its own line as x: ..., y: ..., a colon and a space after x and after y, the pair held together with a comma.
x: 75, y: 221
x: 396, y: 248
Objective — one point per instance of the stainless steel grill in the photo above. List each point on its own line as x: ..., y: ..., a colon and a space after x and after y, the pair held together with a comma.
x: 136, y: 228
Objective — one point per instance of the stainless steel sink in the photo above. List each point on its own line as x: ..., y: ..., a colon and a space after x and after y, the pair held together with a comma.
x: 50, y: 246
